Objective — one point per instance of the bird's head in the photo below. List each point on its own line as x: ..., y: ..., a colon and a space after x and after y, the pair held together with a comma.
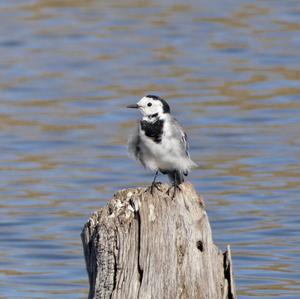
x: 152, y: 105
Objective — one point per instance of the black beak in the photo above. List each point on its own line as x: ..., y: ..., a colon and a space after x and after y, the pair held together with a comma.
x: 133, y: 106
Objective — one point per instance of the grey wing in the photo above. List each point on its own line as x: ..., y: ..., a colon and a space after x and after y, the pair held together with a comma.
x: 182, y: 136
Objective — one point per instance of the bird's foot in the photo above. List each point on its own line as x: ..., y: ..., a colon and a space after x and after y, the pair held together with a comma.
x: 175, y: 188
x: 155, y: 185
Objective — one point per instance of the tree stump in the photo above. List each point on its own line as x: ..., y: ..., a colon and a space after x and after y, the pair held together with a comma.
x: 152, y: 246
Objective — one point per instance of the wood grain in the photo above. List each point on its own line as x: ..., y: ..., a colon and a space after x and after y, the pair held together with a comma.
x: 144, y: 246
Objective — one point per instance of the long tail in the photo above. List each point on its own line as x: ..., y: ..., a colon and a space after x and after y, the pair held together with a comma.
x: 176, y: 177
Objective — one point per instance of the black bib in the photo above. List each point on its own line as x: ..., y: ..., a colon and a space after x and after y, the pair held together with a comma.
x: 153, y: 130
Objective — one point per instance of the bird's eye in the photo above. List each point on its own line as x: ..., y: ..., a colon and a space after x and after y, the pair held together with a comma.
x: 149, y: 104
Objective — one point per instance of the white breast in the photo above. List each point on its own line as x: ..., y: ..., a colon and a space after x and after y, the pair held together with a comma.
x: 166, y: 155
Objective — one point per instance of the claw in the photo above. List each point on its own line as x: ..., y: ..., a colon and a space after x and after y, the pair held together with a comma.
x: 174, y: 187
x: 153, y: 185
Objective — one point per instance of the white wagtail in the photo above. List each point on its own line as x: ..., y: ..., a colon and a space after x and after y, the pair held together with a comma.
x: 159, y: 142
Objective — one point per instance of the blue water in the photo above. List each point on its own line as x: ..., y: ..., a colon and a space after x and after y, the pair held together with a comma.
x: 230, y: 72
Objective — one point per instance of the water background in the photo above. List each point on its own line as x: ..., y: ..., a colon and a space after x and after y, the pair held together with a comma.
x: 230, y: 71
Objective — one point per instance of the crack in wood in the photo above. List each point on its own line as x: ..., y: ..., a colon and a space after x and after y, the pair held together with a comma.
x: 140, y: 270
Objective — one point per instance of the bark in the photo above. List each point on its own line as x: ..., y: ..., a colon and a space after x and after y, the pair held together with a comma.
x: 144, y: 246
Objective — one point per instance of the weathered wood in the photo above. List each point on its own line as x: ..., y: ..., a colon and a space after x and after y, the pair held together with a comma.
x: 144, y: 246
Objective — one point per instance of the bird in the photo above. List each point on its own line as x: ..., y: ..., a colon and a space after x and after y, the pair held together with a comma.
x: 159, y: 142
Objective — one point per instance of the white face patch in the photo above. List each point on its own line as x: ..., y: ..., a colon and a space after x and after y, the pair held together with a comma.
x: 149, y: 106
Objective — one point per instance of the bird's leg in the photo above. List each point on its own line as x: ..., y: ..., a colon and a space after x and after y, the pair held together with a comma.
x: 154, y: 184
x: 175, y: 185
